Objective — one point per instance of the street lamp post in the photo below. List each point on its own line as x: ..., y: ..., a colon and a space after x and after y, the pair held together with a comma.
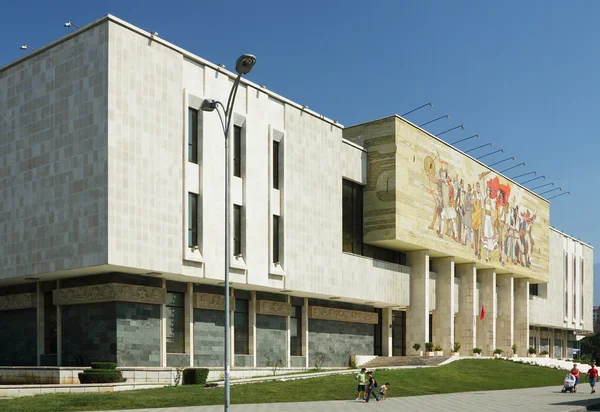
x: 243, y: 66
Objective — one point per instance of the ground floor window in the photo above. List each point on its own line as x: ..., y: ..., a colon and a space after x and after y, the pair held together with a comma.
x: 296, y: 331
x: 545, y: 345
x: 533, y: 342
x: 49, y: 324
x: 175, y: 323
x: 558, y: 348
x: 241, y: 329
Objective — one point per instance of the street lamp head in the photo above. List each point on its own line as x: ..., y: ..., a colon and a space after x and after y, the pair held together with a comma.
x: 244, y: 63
x: 208, y: 105
x: 68, y: 24
x: 24, y: 47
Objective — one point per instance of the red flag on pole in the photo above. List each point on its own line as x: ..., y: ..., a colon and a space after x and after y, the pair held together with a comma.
x: 482, y: 314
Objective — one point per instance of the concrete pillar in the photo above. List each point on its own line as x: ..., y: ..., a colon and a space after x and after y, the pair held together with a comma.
x: 386, y: 332
x: 163, y: 330
x: 288, y: 338
x: 505, y: 320
x: 443, y: 315
x: 466, y: 327
x: 417, y: 314
x: 305, y: 332
x: 521, y: 329
x: 486, y: 327
x: 189, y: 322
x: 252, y: 327
x: 39, y: 323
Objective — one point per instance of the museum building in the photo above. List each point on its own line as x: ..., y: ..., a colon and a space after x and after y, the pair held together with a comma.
x: 359, y: 240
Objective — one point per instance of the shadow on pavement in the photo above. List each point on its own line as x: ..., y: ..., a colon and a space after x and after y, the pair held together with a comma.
x: 589, y: 404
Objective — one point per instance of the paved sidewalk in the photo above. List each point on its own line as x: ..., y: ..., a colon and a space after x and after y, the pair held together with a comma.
x: 548, y: 399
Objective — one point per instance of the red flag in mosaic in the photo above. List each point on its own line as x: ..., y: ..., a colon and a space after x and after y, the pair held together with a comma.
x: 482, y: 314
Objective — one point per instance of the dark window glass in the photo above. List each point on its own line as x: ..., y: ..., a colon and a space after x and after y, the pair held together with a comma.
x: 237, y: 151
x: 193, y: 135
x: 275, y: 165
x: 241, y: 329
x: 574, y: 287
x: 175, y: 323
x: 192, y: 219
x: 566, y: 284
x: 430, y: 327
x: 533, y: 289
x: 49, y: 324
x: 296, y: 331
x: 237, y: 230
x: 582, y: 289
x: 276, y: 239
x: 378, y: 328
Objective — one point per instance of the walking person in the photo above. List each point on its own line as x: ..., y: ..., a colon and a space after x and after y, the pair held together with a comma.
x: 383, y: 390
x: 575, y: 372
x: 371, y: 385
x: 362, y: 380
x: 593, y: 375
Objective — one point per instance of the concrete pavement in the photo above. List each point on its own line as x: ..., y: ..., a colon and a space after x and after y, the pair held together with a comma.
x: 547, y: 399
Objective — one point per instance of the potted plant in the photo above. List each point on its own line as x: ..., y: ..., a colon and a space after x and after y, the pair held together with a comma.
x: 531, y: 351
x: 514, y: 349
x: 438, y: 350
x: 497, y: 352
x: 477, y: 351
x: 455, y: 349
x: 544, y: 354
x: 429, y: 348
x: 416, y: 347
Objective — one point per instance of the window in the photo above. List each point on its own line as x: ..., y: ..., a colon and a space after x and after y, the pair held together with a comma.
x: 241, y: 329
x: 296, y: 331
x: 193, y: 135
x: 175, y: 323
x: 192, y: 220
x: 276, y: 239
x: 49, y: 324
x: 574, y: 287
x: 582, y: 290
x: 237, y: 230
x: 566, y: 284
x: 275, y: 165
x: 533, y: 289
x: 237, y: 151
x: 352, y: 227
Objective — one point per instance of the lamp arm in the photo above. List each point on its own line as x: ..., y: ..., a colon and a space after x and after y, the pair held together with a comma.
x: 230, y: 102
x: 218, y: 103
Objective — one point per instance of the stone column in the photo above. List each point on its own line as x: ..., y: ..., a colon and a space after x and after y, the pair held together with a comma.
x: 443, y: 315
x: 252, y: 327
x: 486, y: 327
x: 466, y: 326
x: 386, y: 332
x: 521, y: 329
x: 505, y: 320
x: 305, y: 331
x: 39, y: 323
x: 417, y: 314
x: 189, y: 322
x: 163, y: 330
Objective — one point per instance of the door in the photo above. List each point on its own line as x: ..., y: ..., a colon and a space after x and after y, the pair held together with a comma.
x: 398, y: 333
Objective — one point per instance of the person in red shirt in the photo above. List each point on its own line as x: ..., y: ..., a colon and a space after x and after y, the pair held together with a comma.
x: 575, y: 372
x: 593, y: 375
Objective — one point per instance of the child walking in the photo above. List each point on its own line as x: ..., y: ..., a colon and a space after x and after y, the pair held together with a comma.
x: 383, y: 390
x: 362, y: 380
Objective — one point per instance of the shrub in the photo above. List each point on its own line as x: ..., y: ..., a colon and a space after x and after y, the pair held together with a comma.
x: 195, y: 376
x: 429, y: 346
x: 531, y: 350
x: 514, y: 348
x: 104, y: 365
x: 498, y: 351
x: 101, y: 376
x: 319, y: 358
x: 437, y: 348
x: 416, y: 347
x: 544, y: 352
x: 456, y: 347
x: 477, y: 350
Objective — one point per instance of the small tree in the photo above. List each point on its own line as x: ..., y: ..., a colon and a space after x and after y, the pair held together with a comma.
x: 416, y: 347
x: 544, y: 352
x: 456, y: 347
x: 514, y: 348
x: 319, y: 358
x: 498, y: 351
x: 429, y: 346
x: 274, y: 365
x: 437, y: 348
x: 531, y: 350
x: 477, y: 350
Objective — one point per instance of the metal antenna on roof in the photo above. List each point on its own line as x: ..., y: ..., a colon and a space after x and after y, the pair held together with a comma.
x: 449, y: 130
x: 414, y: 110
x: 479, y: 147
x: 489, y: 154
x: 435, y: 120
x: 466, y: 138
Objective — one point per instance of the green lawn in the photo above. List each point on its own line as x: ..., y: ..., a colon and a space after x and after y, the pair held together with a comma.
x: 459, y: 376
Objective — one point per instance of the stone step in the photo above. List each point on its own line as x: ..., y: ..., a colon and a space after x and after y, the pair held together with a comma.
x: 383, y: 361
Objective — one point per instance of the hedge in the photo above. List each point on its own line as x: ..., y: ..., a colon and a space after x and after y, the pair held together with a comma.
x: 195, y: 376
x: 101, y: 372
x: 104, y: 365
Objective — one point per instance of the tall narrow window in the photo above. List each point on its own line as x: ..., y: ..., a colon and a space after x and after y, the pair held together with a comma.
x: 241, y: 335
x: 192, y: 220
x: 296, y: 331
x: 49, y: 324
x: 582, y: 289
x: 175, y: 323
x: 275, y: 165
x: 193, y: 135
x: 566, y: 284
x: 237, y: 230
x: 237, y: 151
x: 352, y: 217
x: 276, y: 239
x: 574, y: 287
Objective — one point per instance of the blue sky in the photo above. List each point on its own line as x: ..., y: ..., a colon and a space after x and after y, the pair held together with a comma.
x: 522, y: 74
